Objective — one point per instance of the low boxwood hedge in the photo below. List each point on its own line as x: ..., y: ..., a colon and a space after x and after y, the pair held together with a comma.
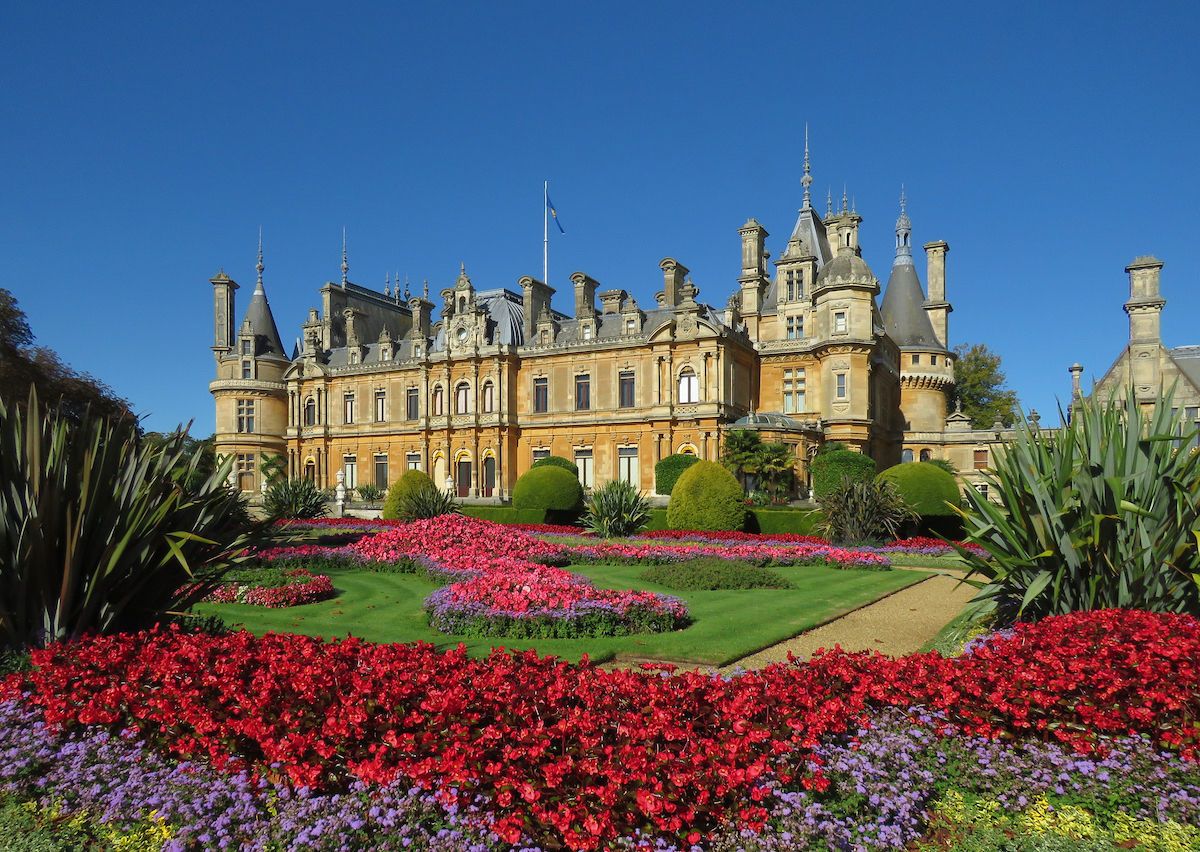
x: 777, y: 521
x: 713, y: 574
x: 505, y: 514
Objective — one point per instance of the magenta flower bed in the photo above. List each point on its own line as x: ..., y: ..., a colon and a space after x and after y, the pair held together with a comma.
x: 304, y: 588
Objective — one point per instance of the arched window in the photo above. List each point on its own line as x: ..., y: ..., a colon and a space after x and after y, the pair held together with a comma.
x: 462, y: 398
x: 439, y: 402
x: 689, y: 385
x: 906, y: 456
x: 462, y: 304
x: 926, y: 455
x: 489, y: 401
x: 310, y: 412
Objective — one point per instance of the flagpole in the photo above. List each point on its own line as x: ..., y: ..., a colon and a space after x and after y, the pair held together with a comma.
x: 546, y: 232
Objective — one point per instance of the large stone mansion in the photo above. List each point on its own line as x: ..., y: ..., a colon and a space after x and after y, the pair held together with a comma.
x: 803, y: 351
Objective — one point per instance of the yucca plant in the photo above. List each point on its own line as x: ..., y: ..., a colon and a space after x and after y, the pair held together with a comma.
x: 616, y: 509
x: 427, y: 502
x: 102, y: 533
x: 293, y: 499
x: 863, y: 512
x: 369, y: 493
x: 1104, y: 512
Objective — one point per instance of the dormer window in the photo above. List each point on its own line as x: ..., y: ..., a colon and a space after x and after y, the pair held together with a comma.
x: 353, y: 356
x: 631, y: 326
x: 795, y: 328
x: 544, y: 337
x: 247, y: 370
x: 586, y: 331
x: 246, y: 347
x: 462, y: 304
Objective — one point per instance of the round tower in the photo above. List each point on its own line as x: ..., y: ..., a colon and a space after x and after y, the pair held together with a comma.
x: 926, y: 363
x: 249, y: 392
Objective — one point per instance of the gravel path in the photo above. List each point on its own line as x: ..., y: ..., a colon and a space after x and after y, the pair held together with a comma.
x: 899, y: 624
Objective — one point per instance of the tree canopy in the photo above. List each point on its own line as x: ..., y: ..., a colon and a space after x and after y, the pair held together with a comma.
x: 24, y: 364
x: 979, y: 386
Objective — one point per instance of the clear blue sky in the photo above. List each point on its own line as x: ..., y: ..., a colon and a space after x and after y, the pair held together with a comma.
x: 143, y: 145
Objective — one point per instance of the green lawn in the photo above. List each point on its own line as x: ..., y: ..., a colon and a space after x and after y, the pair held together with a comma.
x: 727, y: 625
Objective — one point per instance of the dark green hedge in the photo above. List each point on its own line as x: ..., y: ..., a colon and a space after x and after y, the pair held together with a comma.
x: 668, y: 471
x: 707, y: 497
x: 558, y: 461
x: 929, y: 489
x: 552, y: 490
x: 829, y: 469
x: 776, y: 521
x: 505, y: 514
x: 658, y: 520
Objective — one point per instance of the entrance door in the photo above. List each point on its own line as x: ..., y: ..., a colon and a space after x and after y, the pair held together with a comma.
x: 463, y: 478
x: 489, y: 476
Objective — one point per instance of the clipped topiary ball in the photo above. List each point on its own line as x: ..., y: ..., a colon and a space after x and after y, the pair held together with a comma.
x: 559, y: 461
x: 924, y: 486
x: 552, y: 490
x: 411, y: 481
x: 829, y: 469
x: 706, y: 497
x: 668, y: 471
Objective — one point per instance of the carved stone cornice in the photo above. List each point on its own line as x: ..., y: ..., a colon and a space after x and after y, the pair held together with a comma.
x: 931, y: 381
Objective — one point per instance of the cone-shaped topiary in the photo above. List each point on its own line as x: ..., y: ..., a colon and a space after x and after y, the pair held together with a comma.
x: 927, y: 488
x: 668, y: 471
x: 550, y: 489
x: 706, y: 497
x: 410, y: 482
x: 829, y: 469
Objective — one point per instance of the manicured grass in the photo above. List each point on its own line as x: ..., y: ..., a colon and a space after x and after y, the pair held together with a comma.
x: 919, y: 561
x: 727, y: 625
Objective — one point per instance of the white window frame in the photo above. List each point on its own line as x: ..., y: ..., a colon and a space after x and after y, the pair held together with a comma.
x: 841, y: 322
x: 380, y: 406
x: 627, y: 465
x: 350, y: 468
x: 689, y: 386
x: 585, y: 461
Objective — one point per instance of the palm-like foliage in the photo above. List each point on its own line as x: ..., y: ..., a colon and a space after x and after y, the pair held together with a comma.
x: 294, y: 499
x: 427, y: 502
x: 775, y: 466
x: 1104, y: 512
x: 101, y: 532
x: 741, y: 453
x: 863, y: 512
x: 616, y: 509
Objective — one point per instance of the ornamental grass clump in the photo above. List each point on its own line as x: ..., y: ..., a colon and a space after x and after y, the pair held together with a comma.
x: 1103, y: 512
x: 616, y: 509
x: 100, y: 532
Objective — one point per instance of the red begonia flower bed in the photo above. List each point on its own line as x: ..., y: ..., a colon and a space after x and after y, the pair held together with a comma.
x: 577, y: 755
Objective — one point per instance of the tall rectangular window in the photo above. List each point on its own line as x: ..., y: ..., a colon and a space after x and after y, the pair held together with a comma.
x: 793, y: 391
x: 839, y: 322
x: 795, y: 328
x: 246, y: 347
x: 840, y: 386
x: 348, y: 408
x: 381, y: 471
x: 627, y: 465
x: 583, y: 393
x: 350, y: 468
x: 541, y: 394
x: 625, y: 388
x: 981, y: 460
x: 245, y: 471
x: 412, y: 461
x: 247, y: 370
x: 583, y: 461
x: 245, y: 415
x: 412, y: 404
x: 791, y: 285
x: 380, y: 406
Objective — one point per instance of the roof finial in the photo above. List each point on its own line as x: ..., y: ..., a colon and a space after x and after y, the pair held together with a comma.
x: 406, y: 293
x: 903, y: 232
x: 829, y: 202
x: 806, y: 181
x: 845, y: 200
x: 259, y: 266
x: 853, y: 204
x: 425, y: 295
x: 462, y: 268
x: 387, y: 288
x: 345, y: 260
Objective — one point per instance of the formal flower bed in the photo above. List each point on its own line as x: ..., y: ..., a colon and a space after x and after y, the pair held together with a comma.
x: 732, y: 535
x: 500, y: 584
x: 555, y: 754
x: 293, y: 588
x: 760, y: 554
x: 925, y: 546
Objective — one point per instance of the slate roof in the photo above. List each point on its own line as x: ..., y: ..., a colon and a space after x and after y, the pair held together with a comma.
x: 904, y: 316
x: 262, y: 323
x: 1187, y: 359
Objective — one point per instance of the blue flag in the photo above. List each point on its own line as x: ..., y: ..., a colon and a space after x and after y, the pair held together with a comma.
x: 554, y: 214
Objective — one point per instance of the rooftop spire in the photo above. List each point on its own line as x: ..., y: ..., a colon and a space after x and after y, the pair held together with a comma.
x: 829, y: 202
x: 845, y: 200
x: 903, y: 233
x: 806, y: 181
x: 387, y: 287
x: 345, y: 260
x: 259, y: 266
x: 407, y: 295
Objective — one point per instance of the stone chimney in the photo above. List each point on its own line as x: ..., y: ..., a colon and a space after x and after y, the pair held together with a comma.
x: 585, y: 295
x: 935, y: 274
x: 535, y: 299
x: 674, y: 274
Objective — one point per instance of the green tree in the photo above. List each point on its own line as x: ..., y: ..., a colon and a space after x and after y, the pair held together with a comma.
x: 775, y: 465
x: 741, y: 453
x: 22, y: 365
x: 979, y: 386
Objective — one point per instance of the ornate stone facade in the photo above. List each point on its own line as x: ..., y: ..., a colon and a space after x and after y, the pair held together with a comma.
x: 376, y: 384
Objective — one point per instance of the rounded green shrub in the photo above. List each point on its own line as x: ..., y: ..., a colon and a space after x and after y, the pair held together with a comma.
x: 830, y: 469
x: 550, y: 489
x: 668, y: 471
x: 706, y: 497
x: 558, y: 461
x: 927, y: 488
x: 408, y: 484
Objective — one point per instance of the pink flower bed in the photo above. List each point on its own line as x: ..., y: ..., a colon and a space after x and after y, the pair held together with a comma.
x: 732, y: 535
x: 764, y: 554
x: 305, y: 588
x: 501, y: 582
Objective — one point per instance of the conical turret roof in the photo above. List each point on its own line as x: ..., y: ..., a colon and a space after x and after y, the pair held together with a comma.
x: 259, y: 317
x: 904, y: 316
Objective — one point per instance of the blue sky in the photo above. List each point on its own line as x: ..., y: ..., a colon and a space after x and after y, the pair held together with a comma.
x: 144, y: 145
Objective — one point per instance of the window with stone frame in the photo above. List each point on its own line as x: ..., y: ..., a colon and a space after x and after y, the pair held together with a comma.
x: 583, y: 392
x: 462, y: 398
x: 412, y: 461
x: 381, y: 471
x: 689, y: 386
x: 839, y: 322
x: 980, y: 460
x: 310, y: 412
x: 245, y: 415
x: 627, y: 465
x: 489, y: 397
x: 795, y: 328
x: 380, y: 406
x: 412, y: 404
x: 438, y: 403
x: 794, y: 391
x: 541, y: 394
x: 247, y: 370
x: 348, y: 407
x: 625, y: 389
x: 583, y: 461
x: 841, y: 385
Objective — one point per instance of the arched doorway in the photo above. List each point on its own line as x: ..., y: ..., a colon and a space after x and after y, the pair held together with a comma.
x: 462, y: 474
x: 439, y: 470
x: 488, y: 485
x: 310, y: 470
